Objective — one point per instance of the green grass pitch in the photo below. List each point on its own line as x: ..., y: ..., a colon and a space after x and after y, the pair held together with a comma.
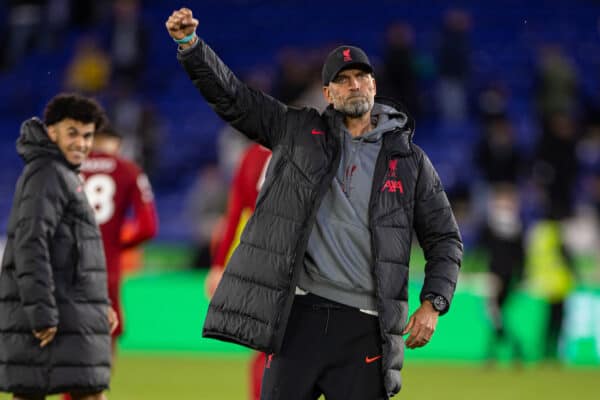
x: 154, y: 377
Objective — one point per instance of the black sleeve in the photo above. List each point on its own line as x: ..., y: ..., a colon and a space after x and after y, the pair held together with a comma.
x: 438, y: 234
x: 255, y: 114
x: 42, y: 202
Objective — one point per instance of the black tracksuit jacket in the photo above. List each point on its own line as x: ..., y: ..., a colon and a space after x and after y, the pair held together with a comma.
x: 53, y: 274
x: 252, y: 303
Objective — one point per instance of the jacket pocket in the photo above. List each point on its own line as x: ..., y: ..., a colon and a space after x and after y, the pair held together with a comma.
x: 90, y: 249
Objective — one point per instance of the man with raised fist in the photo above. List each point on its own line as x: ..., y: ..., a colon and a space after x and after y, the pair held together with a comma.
x: 319, y: 280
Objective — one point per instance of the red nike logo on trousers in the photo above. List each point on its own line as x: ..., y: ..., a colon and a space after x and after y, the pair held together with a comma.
x: 369, y: 360
x: 316, y: 132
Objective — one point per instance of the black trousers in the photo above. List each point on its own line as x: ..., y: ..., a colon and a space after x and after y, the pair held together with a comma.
x: 328, y: 349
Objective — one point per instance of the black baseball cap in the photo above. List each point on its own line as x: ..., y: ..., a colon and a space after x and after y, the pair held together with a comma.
x: 344, y: 57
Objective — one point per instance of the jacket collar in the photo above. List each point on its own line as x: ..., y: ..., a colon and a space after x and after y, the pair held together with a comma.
x: 34, y: 143
x: 396, y: 142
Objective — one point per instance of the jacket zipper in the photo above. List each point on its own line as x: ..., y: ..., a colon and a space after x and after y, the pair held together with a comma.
x: 380, y: 171
x: 383, y: 159
x: 298, y: 256
x: 77, y: 264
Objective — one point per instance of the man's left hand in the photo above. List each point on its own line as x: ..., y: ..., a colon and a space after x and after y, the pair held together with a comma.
x: 421, y: 325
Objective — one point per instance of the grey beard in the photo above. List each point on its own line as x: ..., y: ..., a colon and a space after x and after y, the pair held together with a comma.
x: 356, y: 109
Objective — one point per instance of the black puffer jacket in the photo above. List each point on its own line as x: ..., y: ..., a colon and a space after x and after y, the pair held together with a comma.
x: 53, y: 274
x: 252, y: 303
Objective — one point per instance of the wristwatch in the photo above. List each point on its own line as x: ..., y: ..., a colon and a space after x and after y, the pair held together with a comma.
x: 439, y: 303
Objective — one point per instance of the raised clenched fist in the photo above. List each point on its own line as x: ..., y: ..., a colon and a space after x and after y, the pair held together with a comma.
x: 181, y: 23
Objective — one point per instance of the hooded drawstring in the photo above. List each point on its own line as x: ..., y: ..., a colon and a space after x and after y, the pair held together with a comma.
x: 350, y: 167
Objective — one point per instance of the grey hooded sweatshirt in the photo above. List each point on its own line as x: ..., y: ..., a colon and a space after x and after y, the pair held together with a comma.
x: 337, y: 264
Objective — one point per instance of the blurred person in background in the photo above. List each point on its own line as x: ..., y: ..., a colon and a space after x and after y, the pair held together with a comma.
x: 454, y: 65
x: 400, y: 79
x: 128, y: 42
x: 551, y: 274
x: 588, y: 155
x: 25, y: 19
x: 295, y: 288
x: 550, y: 265
x: 137, y: 120
x: 55, y: 314
x: 90, y: 68
x: 492, y: 102
x: 205, y: 208
x: 120, y: 194
x: 294, y: 74
x: 246, y: 184
x: 555, y: 168
x: 231, y: 146
x: 583, y: 234
x: 498, y: 160
x: 497, y: 155
x: 312, y: 94
x: 502, y: 237
x: 461, y: 201
x: 58, y: 15
x: 556, y: 88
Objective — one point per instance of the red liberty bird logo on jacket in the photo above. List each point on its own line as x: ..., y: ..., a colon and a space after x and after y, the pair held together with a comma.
x: 392, y: 185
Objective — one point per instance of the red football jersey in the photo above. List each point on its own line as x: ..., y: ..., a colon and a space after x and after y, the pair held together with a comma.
x: 246, y: 184
x: 114, y: 186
